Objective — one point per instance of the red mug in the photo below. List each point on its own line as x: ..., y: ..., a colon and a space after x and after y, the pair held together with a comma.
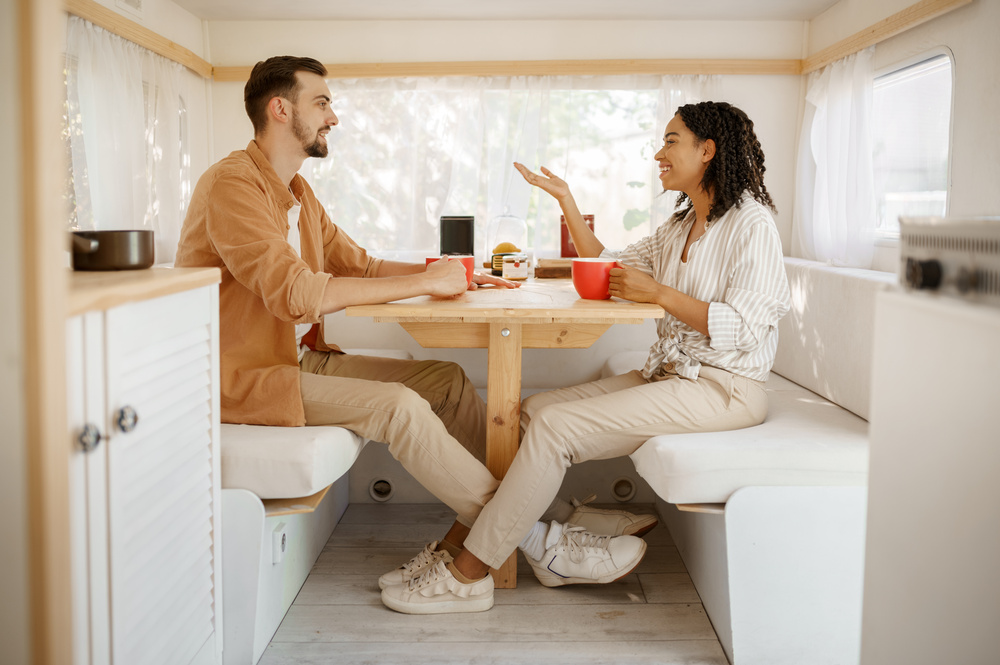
x: 592, y: 276
x: 467, y: 260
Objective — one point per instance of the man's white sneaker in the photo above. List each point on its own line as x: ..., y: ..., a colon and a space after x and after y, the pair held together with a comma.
x: 418, y: 564
x: 576, y: 556
x: 436, y: 591
x: 610, y: 522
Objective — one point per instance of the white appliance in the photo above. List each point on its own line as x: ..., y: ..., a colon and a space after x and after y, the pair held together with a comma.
x: 958, y: 257
x: 932, y: 565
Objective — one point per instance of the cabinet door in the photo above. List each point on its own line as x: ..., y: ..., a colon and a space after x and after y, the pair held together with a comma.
x: 162, y: 479
x: 87, y: 491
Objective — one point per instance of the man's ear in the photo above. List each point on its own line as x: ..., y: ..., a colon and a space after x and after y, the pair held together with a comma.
x: 707, y: 151
x: 279, y: 109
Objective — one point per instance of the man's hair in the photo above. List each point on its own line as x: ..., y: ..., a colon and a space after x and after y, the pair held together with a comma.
x: 738, y: 164
x: 275, y: 77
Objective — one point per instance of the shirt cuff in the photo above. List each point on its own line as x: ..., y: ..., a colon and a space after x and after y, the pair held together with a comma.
x: 306, y: 296
x: 723, y: 322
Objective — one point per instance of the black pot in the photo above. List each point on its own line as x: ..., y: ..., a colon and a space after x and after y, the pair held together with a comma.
x: 112, y: 250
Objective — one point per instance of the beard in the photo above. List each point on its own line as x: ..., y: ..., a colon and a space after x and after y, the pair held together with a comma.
x: 310, y: 144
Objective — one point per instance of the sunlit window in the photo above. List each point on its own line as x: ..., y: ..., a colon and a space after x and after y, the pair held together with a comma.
x: 912, y: 130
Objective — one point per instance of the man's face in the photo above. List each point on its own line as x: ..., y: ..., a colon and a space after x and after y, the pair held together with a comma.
x: 312, y: 116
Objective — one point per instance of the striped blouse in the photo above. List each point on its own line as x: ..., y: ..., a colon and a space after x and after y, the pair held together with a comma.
x: 737, y: 267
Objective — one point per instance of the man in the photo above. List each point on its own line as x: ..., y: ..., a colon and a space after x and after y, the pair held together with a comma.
x: 285, y: 265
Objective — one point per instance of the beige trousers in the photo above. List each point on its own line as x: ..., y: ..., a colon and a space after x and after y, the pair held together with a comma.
x: 600, y: 420
x: 427, y: 411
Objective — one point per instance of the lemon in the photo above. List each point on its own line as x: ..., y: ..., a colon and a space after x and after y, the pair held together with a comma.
x: 505, y: 248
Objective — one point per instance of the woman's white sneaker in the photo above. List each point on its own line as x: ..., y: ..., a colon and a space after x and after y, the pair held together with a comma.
x: 610, y: 522
x: 418, y: 564
x: 577, y: 556
x: 436, y: 591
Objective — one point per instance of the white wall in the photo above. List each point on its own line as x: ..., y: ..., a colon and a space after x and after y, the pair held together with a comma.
x: 14, y: 625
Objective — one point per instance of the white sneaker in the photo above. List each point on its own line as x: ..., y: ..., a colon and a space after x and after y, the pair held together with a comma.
x: 436, y: 591
x: 576, y: 556
x: 418, y: 564
x: 610, y: 522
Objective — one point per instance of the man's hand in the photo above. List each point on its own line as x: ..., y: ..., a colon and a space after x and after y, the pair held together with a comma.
x: 445, y: 278
x: 633, y: 284
x: 482, y: 278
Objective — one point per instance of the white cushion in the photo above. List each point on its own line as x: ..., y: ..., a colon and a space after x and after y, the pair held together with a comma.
x: 825, y: 340
x: 805, y: 440
x: 285, y: 462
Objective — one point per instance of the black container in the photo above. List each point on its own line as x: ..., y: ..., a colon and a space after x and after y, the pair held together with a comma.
x: 458, y: 234
x: 112, y: 250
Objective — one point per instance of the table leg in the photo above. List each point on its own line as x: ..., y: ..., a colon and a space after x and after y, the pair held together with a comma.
x: 503, y: 408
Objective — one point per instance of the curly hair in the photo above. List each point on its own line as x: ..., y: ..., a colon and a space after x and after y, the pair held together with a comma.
x: 738, y: 164
x: 275, y: 77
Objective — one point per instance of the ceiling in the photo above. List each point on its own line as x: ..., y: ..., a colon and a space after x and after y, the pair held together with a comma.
x: 766, y: 10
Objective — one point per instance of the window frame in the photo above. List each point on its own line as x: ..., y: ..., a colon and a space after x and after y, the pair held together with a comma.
x: 891, y: 239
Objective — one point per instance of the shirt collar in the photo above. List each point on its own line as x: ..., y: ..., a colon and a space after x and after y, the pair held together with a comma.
x: 280, y: 191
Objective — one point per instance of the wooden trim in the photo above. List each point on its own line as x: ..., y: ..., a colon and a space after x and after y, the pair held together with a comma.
x: 113, y: 22
x: 899, y: 22
x: 539, y: 68
x: 294, y: 506
x: 43, y: 232
x: 707, y: 508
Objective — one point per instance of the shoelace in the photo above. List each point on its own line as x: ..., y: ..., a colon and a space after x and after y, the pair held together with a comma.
x: 578, y: 540
x: 425, y: 557
x: 438, y: 571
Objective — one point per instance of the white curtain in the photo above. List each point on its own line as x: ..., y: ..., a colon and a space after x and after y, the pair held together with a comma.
x: 125, y: 118
x: 834, y: 219
x: 411, y: 150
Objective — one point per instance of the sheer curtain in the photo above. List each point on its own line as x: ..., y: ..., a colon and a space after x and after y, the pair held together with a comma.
x: 411, y: 150
x: 124, y: 128
x: 834, y: 219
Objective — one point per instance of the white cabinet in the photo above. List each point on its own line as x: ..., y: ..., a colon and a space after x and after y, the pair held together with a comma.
x: 144, y: 418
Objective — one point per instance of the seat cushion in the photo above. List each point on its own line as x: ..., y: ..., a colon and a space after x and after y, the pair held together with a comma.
x: 805, y: 440
x: 285, y: 462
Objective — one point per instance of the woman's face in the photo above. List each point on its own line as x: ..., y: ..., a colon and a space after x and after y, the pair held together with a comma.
x: 683, y: 159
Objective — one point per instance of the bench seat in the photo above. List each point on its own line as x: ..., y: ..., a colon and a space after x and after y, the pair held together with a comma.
x: 805, y: 440
x: 286, y: 462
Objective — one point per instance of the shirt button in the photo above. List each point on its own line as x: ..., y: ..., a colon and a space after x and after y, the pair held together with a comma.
x: 668, y: 367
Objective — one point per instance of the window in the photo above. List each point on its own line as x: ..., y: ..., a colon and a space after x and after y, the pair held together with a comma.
x: 410, y: 151
x: 911, y: 128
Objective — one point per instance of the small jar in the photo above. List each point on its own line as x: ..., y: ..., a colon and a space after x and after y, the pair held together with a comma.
x: 515, y: 266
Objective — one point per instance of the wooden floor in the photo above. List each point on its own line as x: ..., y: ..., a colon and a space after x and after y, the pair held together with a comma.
x: 652, y: 616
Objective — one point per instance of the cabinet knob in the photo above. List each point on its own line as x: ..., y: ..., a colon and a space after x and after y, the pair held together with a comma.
x: 89, y: 438
x: 127, y: 419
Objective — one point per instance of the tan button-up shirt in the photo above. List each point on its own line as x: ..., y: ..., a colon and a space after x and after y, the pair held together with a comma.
x: 238, y: 221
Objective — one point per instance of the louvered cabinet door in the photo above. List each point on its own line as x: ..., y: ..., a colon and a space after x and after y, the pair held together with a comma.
x: 163, y: 479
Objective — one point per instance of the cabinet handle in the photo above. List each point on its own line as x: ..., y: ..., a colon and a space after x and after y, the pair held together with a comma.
x: 89, y: 438
x: 127, y: 419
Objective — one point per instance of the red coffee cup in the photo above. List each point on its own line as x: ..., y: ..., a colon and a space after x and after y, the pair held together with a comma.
x: 467, y: 260
x: 591, y: 277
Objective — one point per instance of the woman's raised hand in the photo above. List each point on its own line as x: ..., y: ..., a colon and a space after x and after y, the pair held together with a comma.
x: 548, y: 181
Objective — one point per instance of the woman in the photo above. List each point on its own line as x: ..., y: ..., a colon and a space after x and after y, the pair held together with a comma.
x: 716, y: 269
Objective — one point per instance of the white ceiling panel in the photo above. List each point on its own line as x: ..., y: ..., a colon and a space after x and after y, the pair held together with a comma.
x: 437, y: 10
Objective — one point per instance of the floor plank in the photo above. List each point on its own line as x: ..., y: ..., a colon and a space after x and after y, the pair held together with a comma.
x: 679, y: 652
x: 503, y: 623
x: 651, y: 616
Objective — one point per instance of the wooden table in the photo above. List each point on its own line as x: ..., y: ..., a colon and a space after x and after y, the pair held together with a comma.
x: 542, y: 314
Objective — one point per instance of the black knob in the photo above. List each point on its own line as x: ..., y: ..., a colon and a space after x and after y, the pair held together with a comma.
x: 89, y: 437
x: 967, y: 280
x: 923, y: 274
x: 127, y: 419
